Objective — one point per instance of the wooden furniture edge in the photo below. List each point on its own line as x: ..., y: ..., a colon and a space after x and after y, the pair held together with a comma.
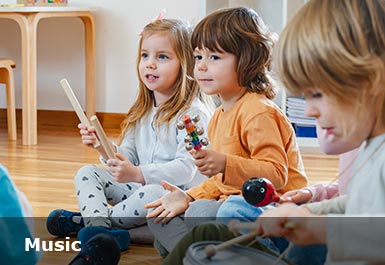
x: 67, y: 118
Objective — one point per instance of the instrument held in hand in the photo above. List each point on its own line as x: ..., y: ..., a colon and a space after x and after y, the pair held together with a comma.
x: 260, y: 192
x: 235, y: 254
x: 193, y: 132
x: 102, y: 137
x: 76, y: 105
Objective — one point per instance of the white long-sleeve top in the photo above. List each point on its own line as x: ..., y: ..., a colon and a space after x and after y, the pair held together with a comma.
x: 160, y: 152
x: 356, y: 231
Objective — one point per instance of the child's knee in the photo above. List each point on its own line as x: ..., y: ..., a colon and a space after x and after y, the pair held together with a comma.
x: 85, y: 172
x: 148, y: 193
x: 202, y: 208
x: 211, y: 231
x: 153, y: 189
x: 230, y: 205
x: 238, y: 207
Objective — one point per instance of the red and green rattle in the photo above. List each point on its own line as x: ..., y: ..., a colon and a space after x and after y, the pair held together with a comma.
x: 193, y: 132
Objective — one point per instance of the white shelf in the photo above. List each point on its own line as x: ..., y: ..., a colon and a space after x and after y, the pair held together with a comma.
x: 307, y: 142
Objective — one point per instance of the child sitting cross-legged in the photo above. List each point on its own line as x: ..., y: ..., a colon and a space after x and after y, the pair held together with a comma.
x: 112, y: 199
x: 249, y: 134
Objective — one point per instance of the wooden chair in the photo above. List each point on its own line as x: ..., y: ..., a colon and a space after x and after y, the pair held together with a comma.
x: 6, y: 77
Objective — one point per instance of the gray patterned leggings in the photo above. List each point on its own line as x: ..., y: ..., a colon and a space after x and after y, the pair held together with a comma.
x: 96, y: 190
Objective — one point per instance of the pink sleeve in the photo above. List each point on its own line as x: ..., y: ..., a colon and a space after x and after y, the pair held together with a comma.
x: 323, y: 191
x: 330, y: 190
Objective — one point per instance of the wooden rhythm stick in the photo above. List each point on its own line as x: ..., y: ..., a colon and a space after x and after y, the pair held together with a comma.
x: 211, y: 250
x: 236, y: 225
x: 75, y: 104
x: 102, y: 137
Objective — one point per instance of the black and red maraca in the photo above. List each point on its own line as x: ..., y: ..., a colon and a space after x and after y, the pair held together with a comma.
x: 260, y: 192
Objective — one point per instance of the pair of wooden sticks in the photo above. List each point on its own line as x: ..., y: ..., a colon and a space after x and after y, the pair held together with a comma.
x: 94, y: 121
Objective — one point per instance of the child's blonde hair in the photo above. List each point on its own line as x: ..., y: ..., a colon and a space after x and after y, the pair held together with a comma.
x: 239, y: 31
x: 337, y: 46
x: 185, y: 86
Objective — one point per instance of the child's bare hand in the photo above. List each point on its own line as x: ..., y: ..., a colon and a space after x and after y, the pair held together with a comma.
x: 88, y: 134
x: 295, y: 223
x: 169, y: 205
x: 297, y: 196
x: 209, y: 162
x: 123, y: 170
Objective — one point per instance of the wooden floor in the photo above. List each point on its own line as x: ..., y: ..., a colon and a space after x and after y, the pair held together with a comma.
x: 45, y: 174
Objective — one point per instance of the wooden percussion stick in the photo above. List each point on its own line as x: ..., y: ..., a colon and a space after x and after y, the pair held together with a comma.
x: 102, y: 137
x: 237, y: 225
x: 211, y: 250
x: 75, y: 104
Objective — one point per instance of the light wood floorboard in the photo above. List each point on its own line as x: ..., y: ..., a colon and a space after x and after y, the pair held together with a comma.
x: 45, y: 174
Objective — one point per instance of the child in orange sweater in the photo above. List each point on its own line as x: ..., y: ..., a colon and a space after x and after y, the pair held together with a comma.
x: 249, y: 134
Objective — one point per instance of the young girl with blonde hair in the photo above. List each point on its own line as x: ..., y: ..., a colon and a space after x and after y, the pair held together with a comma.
x: 151, y: 147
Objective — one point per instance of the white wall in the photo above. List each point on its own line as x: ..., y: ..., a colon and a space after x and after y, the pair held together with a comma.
x: 273, y: 12
x: 61, y: 51
x: 117, y: 23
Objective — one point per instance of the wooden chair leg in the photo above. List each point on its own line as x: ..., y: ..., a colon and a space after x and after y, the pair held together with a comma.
x: 7, y: 78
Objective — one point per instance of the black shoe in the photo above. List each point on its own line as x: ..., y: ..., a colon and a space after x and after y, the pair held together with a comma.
x: 63, y: 223
x: 101, y: 249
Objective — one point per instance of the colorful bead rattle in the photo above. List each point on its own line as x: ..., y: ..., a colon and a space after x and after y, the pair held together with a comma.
x: 193, y: 131
x: 260, y: 192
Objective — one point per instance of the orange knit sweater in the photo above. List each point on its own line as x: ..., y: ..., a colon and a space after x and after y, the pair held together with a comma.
x: 259, y: 141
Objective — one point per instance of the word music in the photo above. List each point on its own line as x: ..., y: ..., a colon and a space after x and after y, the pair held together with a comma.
x: 38, y: 245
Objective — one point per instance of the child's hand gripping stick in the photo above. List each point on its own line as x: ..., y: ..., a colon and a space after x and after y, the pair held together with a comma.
x: 260, y: 192
x: 192, y: 139
x: 75, y: 104
x: 102, y: 137
x: 234, y: 226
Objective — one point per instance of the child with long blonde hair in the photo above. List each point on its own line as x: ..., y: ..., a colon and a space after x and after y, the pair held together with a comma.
x: 151, y: 147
